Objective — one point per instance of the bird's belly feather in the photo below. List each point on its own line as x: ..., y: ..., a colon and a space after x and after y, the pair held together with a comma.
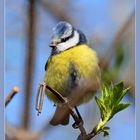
x: 57, y: 75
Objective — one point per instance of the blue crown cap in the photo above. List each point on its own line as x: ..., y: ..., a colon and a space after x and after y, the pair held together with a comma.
x: 62, y: 29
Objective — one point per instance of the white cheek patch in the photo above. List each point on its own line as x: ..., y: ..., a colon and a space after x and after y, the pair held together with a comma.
x: 69, y: 43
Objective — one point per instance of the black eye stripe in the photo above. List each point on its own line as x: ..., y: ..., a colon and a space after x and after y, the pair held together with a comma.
x: 64, y: 39
x: 67, y: 38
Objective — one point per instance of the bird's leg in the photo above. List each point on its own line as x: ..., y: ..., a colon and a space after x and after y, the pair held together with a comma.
x: 80, y: 122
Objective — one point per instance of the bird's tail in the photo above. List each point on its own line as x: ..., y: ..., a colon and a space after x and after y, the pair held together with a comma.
x: 61, y: 116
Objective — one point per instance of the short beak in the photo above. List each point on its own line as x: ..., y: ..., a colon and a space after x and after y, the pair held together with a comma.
x: 52, y: 45
x: 54, y: 42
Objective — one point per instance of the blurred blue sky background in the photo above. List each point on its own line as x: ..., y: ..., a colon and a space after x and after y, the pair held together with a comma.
x: 93, y: 17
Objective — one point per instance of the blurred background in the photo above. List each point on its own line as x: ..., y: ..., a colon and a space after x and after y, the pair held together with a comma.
x: 110, y: 28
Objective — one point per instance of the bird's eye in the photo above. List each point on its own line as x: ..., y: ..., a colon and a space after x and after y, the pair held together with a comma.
x: 63, y: 39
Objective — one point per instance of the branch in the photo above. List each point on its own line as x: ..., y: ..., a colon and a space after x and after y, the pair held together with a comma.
x: 57, y: 10
x: 13, y: 133
x: 10, y: 96
x: 62, y: 100
x: 105, y: 60
x: 29, y: 61
x: 109, y: 104
x: 111, y: 52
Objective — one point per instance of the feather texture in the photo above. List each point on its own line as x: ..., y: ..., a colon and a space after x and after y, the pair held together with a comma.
x: 58, y: 73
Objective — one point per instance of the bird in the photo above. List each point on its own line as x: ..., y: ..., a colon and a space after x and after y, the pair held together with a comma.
x: 71, y: 64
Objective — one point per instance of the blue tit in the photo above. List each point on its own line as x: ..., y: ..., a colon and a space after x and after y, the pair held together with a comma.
x: 71, y: 63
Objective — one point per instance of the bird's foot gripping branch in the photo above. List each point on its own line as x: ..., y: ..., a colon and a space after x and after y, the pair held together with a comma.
x: 109, y: 105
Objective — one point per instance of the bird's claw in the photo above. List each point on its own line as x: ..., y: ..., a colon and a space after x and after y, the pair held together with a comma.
x: 77, y: 124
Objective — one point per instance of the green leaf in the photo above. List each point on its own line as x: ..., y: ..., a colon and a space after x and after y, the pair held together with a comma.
x: 109, y: 104
x: 101, y: 107
x: 105, y: 98
x: 106, y: 128
x: 117, y: 91
x: 106, y: 134
x: 105, y: 91
x: 125, y: 91
x: 120, y: 107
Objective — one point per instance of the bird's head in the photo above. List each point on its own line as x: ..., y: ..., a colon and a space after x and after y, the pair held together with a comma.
x: 65, y: 36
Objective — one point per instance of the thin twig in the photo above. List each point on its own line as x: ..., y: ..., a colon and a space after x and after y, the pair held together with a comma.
x: 37, y: 97
x: 41, y: 92
x: 10, y: 96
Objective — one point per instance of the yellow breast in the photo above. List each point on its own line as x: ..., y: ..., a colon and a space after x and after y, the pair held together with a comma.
x: 57, y: 73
